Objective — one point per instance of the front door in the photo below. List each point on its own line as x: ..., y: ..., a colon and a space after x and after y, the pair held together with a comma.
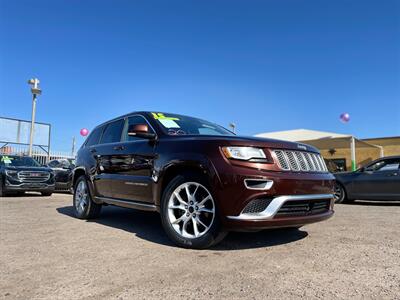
x: 133, y: 165
x: 379, y: 181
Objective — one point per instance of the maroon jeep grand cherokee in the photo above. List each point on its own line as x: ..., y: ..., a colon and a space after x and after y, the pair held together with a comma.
x: 200, y: 177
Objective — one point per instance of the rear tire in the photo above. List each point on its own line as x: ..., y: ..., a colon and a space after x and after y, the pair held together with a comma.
x: 84, y: 207
x: 2, y: 192
x: 189, y: 213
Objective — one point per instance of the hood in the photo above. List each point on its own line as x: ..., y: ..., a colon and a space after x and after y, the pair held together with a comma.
x: 46, y: 169
x: 342, y: 175
x: 247, y: 141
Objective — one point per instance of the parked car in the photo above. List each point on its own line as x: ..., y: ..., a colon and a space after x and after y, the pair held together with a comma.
x: 200, y: 177
x: 379, y: 180
x: 62, y: 169
x: 19, y: 174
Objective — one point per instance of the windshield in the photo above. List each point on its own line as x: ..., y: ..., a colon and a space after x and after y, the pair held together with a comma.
x: 183, y: 125
x: 18, y: 161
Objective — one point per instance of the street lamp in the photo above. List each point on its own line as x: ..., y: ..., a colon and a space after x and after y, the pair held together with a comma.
x: 233, y: 126
x: 34, y: 82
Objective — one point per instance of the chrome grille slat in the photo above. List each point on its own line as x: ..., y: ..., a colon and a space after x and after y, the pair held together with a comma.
x: 292, y: 161
x: 300, y: 161
x: 308, y: 160
x: 316, y: 164
x: 324, y: 167
x: 283, y: 164
x: 319, y: 162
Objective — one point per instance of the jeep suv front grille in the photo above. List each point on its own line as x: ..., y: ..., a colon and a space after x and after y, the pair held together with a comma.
x: 300, y: 161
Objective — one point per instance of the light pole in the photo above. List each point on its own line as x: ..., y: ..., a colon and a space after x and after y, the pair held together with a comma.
x: 73, y: 146
x: 233, y: 126
x: 34, y: 82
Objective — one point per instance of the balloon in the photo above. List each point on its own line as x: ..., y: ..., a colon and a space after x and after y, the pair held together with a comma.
x: 344, y: 117
x: 84, y: 132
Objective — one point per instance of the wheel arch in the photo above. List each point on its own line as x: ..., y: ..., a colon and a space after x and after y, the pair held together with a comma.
x: 78, y: 172
x: 81, y: 171
x: 203, y: 168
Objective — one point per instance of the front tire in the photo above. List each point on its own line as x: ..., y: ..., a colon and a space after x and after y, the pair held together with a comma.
x: 46, y: 194
x: 2, y: 192
x: 189, y: 213
x: 84, y: 207
x: 340, y: 194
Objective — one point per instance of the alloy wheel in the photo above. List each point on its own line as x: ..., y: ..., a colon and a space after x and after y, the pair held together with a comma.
x: 338, y: 193
x: 191, y: 210
x: 81, y: 197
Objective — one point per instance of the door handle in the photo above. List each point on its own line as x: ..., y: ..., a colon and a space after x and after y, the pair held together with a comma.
x: 118, y: 148
x: 93, y: 150
x: 393, y: 174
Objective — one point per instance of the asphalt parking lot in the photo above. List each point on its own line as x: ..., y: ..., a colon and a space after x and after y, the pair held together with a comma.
x: 48, y: 254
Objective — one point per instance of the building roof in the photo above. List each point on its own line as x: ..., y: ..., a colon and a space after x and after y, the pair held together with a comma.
x: 297, y: 135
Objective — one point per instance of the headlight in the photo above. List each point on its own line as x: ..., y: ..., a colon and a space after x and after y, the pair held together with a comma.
x: 244, y: 153
x: 11, y: 173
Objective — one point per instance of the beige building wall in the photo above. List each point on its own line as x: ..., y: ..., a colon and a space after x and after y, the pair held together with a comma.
x: 364, y: 155
x: 391, y: 146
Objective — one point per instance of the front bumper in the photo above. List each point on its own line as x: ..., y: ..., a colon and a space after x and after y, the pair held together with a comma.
x: 233, y: 195
x: 29, y: 186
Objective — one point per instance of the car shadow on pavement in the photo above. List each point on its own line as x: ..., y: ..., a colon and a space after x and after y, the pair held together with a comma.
x: 24, y: 194
x: 147, y: 225
x: 374, y: 203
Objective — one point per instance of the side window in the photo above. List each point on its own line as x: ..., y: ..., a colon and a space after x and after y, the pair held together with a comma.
x: 94, y: 137
x: 385, y: 165
x: 53, y: 164
x: 390, y: 165
x: 113, y: 132
x: 135, y: 120
x: 64, y: 164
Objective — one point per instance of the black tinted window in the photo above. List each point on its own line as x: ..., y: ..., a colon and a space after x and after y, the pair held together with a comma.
x: 135, y: 120
x: 94, y: 137
x: 385, y: 165
x: 112, y: 133
x: 54, y: 164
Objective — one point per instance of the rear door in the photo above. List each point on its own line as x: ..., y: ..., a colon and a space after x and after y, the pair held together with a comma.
x: 133, y: 165
x: 61, y: 172
x: 105, y: 154
x: 379, y: 181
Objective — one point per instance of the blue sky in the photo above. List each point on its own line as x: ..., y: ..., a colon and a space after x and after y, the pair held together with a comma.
x: 265, y: 65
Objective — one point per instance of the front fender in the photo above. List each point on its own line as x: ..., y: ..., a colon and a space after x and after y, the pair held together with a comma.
x: 168, y: 168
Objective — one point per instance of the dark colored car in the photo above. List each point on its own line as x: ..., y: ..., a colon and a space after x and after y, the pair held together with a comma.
x: 200, y: 177
x: 379, y: 180
x: 62, y: 169
x: 19, y: 174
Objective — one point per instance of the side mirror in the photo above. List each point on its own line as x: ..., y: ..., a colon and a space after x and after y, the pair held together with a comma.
x: 141, y: 130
